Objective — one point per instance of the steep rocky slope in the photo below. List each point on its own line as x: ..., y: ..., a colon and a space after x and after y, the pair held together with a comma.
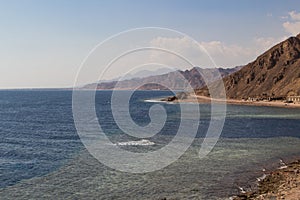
x: 275, y: 73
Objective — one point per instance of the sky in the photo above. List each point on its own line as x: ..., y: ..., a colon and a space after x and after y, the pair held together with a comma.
x: 44, y: 43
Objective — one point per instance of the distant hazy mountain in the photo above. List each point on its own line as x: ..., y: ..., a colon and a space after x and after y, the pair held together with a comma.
x: 275, y: 73
x: 175, y: 80
x: 146, y: 73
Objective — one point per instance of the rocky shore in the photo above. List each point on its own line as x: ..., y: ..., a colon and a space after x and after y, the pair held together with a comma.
x: 283, y: 183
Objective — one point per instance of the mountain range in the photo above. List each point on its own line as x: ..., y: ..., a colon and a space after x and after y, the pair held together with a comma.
x: 274, y: 74
x: 175, y: 80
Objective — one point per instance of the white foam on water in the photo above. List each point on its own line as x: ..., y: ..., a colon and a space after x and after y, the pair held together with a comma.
x: 153, y: 101
x: 142, y: 142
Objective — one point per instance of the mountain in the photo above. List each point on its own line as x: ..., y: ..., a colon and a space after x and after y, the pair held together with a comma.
x: 146, y: 73
x: 275, y: 73
x: 173, y: 80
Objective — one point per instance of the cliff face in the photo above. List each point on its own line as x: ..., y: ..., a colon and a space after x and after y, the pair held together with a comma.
x: 275, y: 73
x: 172, y: 80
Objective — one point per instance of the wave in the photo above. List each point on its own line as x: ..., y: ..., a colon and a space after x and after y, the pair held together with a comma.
x: 153, y: 101
x: 159, y: 101
x: 142, y: 142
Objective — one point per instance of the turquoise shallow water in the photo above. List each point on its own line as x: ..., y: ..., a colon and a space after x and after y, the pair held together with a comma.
x: 231, y: 164
x: 41, y: 155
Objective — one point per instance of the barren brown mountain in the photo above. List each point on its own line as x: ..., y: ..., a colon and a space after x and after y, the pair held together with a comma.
x: 275, y: 73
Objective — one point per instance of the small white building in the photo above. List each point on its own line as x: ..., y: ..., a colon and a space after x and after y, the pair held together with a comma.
x: 293, y: 98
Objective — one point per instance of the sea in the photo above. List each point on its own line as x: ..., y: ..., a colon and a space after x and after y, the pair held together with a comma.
x: 43, y: 157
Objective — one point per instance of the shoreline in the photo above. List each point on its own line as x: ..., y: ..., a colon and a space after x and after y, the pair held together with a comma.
x: 281, y: 183
x: 204, y: 99
x: 280, y: 104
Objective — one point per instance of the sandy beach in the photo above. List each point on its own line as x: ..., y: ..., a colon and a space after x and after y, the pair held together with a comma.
x: 204, y: 99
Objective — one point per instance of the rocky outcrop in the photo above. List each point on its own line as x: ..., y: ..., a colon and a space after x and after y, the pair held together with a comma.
x: 178, y: 96
x: 282, y: 183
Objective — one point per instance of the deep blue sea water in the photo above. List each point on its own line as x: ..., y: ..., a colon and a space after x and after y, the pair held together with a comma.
x: 37, y: 133
x: 41, y: 154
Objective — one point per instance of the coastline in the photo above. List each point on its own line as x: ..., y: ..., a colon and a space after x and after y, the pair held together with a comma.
x: 204, y: 99
x: 282, y: 183
x: 264, y: 103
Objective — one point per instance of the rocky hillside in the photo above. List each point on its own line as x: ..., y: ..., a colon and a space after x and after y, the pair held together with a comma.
x: 172, y: 80
x: 275, y: 73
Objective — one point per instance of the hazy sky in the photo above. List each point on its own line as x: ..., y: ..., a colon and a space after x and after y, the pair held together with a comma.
x: 43, y: 43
